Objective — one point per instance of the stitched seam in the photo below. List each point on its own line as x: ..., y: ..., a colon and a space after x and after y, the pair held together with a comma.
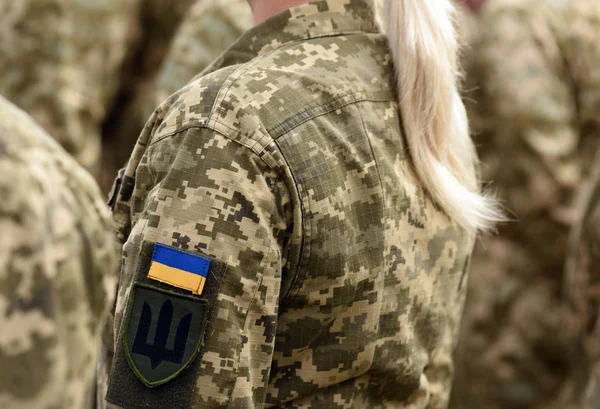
x: 205, y: 124
x: 229, y: 138
x: 354, y: 100
x: 218, y: 97
x: 305, y: 253
x: 221, y: 94
x: 362, y: 121
x: 302, y: 233
x: 307, y: 227
x: 148, y: 152
x: 383, y: 196
x: 325, y: 34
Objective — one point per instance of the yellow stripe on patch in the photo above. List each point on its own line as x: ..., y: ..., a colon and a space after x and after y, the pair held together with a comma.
x: 177, y: 278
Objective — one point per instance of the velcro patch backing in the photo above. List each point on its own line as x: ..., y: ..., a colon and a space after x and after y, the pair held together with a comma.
x: 163, y: 333
x: 160, y: 343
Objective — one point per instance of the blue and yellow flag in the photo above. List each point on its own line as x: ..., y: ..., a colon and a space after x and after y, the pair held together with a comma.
x: 179, y: 269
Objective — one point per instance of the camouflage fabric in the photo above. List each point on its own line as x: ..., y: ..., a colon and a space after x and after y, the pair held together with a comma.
x: 199, y: 36
x: 537, y: 117
x: 285, y: 163
x: 583, y: 289
x: 57, y: 270
x: 60, y: 63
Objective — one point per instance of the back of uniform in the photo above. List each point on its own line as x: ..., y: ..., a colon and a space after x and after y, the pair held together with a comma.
x: 57, y: 270
x: 273, y: 203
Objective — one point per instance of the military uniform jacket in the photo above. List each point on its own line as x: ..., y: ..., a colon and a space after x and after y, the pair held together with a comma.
x: 278, y: 249
x: 58, y: 263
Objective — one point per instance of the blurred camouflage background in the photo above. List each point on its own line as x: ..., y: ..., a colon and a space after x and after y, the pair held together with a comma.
x: 91, y: 72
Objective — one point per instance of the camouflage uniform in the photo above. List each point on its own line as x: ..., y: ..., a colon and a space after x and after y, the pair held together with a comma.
x: 537, y: 117
x: 199, y: 34
x: 333, y: 280
x: 60, y: 63
x: 57, y: 270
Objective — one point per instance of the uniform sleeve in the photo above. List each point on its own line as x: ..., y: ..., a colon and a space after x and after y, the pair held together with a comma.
x: 199, y: 194
x: 56, y: 274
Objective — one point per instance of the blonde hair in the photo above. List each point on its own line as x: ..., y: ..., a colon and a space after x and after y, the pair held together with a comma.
x: 425, y: 49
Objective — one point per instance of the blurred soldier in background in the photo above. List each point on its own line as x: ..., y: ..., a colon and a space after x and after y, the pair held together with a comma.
x: 156, y: 23
x: 537, y: 116
x: 80, y: 67
x: 58, y: 263
x: 583, y: 289
x: 207, y: 29
x: 60, y: 63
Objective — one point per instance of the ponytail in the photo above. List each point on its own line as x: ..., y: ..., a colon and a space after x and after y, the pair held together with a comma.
x: 424, y: 49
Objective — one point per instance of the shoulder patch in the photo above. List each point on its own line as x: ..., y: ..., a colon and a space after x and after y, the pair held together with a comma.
x: 160, y: 343
x: 163, y: 333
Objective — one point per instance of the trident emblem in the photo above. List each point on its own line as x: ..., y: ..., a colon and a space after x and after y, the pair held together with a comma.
x: 158, y: 351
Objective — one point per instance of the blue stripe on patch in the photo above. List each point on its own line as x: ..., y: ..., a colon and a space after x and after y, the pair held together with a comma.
x: 181, y: 260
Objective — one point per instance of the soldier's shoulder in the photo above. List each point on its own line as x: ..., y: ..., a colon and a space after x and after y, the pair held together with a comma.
x: 20, y: 134
x: 33, y: 163
x: 228, y: 101
x: 258, y: 101
x: 205, y: 102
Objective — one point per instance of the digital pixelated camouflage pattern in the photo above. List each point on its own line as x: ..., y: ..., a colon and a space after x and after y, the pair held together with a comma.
x: 60, y: 63
x: 344, y: 283
x: 583, y: 288
x: 536, y: 116
x: 199, y: 36
x: 58, y: 264
x: 174, y: 43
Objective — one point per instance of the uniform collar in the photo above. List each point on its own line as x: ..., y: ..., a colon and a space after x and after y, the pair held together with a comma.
x: 323, y: 18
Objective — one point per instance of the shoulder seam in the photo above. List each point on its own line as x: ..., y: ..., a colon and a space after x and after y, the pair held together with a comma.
x: 204, y: 125
x: 339, y: 102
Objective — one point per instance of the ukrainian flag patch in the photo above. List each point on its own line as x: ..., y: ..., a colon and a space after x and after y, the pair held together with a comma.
x: 179, y: 269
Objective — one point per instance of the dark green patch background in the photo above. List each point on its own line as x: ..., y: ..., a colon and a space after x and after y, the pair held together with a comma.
x: 182, y: 306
